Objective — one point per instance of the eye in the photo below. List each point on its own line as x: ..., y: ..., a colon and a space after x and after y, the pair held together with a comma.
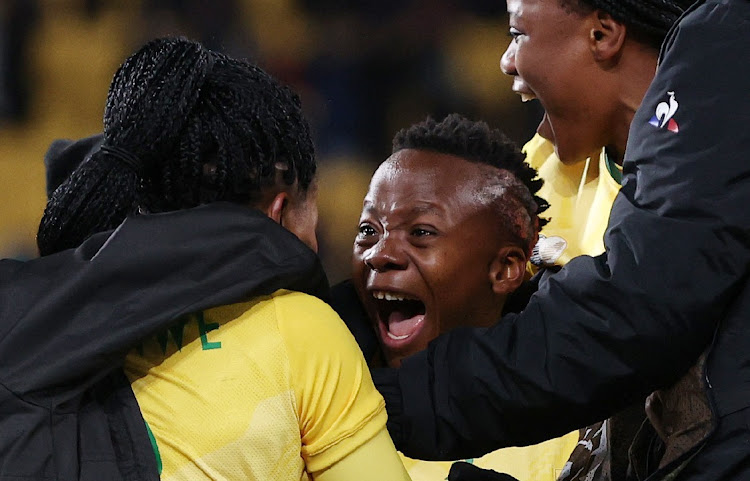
x: 366, y: 231
x: 423, y: 232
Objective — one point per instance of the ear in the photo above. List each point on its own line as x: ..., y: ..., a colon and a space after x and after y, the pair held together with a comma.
x: 508, y: 270
x: 606, y: 38
x: 276, y: 208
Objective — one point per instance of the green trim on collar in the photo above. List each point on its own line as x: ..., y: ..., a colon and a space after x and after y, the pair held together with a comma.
x: 613, y: 168
x: 155, y: 447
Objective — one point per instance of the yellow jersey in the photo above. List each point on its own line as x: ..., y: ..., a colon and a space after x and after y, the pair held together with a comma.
x: 580, y: 196
x: 271, y: 389
x: 541, y: 462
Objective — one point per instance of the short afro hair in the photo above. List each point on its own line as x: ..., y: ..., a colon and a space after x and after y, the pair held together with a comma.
x: 518, y: 204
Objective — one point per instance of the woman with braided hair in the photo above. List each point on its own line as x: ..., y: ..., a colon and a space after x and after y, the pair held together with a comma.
x: 239, y: 391
x: 589, y: 62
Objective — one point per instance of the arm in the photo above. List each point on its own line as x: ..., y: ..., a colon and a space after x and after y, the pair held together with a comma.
x: 341, y: 415
x: 375, y: 460
x: 605, y: 331
x: 69, y: 318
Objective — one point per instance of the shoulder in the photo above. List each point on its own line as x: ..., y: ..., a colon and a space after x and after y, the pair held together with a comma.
x: 305, y: 320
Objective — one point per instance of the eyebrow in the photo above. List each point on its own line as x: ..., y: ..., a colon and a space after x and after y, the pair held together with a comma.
x: 426, y: 209
x: 422, y: 208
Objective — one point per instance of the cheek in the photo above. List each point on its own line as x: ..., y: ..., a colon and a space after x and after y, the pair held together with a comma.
x: 464, y: 285
x: 526, y: 59
x: 358, y: 263
x: 535, y: 71
x: 548, y: 71
x: 359, y: 281
x: 446, y: 280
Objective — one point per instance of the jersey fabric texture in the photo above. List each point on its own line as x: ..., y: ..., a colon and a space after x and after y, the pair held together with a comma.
x: 540, y: 462
x: 580, y: 197
x: 264, y: 390
x: 677, y: 261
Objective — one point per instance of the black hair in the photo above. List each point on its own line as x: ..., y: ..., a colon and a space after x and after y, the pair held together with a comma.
x: 648, y: 20
x: 183, y: 126
x: 519, y: 206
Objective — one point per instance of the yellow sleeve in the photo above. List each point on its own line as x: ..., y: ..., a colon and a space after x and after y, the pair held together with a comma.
x: 375, y: 460
x: 338, y: 407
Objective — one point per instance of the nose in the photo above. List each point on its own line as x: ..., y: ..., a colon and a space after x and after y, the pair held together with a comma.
x: 508, y: 60
x: 385, y: 256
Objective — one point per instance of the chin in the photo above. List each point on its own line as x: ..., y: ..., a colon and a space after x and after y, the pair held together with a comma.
x: 394, y: 359
x: 395, y: 363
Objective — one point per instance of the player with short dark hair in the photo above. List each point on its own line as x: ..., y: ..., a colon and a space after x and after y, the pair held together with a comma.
x: 609, y: 330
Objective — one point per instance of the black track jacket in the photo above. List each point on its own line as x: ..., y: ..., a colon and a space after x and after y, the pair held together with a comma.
x: 67, y: 320
x: 607, y: 331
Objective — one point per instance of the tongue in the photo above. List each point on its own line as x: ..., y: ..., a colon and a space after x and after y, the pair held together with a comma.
x: 399, y: 325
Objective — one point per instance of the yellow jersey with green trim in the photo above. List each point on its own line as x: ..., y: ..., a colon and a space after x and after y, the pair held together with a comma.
x: 580, y: 196
x: 272, y: 389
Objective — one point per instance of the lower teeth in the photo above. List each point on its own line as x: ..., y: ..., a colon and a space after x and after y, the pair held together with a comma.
x: 398, y: 338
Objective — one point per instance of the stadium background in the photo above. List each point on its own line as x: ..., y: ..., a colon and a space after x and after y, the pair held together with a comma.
x: 363, y: 68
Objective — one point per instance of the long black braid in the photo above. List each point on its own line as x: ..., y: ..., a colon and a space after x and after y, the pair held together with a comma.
x: 183, y: 126
x: 649, y: 20
x: 477, y: 142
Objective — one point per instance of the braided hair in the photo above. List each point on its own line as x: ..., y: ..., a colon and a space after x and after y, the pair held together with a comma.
x: 648, y: 20
x: 517, y: 183
x: 183, y: 126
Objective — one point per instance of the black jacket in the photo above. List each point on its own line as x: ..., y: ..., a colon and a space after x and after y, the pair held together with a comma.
x: 66, y: 409
x: 607, y: 331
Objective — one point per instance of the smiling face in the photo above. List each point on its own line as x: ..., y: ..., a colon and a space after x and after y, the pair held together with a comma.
x: 551, y: 58
x: 432, y: 252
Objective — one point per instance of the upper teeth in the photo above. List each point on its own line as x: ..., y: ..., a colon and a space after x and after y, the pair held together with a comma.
x: 390, y: 296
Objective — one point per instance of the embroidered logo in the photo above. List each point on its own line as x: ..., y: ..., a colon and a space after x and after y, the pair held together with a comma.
x: 664, y: 113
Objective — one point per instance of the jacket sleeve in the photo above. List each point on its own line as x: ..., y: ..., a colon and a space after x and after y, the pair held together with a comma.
x: 605, y: 331
x: 70, y: 317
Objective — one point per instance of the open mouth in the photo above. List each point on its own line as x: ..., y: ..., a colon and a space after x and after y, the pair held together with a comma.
x: 520, y: 87
x: 524, y: 93
x: 401, y: 316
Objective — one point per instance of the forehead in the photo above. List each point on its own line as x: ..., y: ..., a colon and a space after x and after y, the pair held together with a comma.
x: 536, y: 9
x: 414, y: 177
x: 518, y: 7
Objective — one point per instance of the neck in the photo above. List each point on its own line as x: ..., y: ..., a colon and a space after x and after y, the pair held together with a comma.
x: 634, y: 75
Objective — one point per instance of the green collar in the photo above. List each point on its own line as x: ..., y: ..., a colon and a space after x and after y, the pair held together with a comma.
x: 612, y: 168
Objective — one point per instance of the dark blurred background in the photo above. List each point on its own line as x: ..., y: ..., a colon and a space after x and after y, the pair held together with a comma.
x: 364, y: 69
